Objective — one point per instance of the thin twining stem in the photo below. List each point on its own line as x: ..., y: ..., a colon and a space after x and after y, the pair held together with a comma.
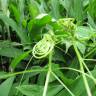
x: 24, y: 73
x: 67, y: 68
x: 90, y: 60
x: 62, y: 83
x: 89, y: 71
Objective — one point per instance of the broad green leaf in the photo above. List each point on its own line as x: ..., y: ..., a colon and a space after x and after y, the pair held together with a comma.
x: 59, y: 73
x: 42, y: 19
x: 31, y: 90
x: 37, y: 90
x: 14, y: 90
x: 81, y: 47
x: 78, y: 87
x: 84, y: 33
x: 6, y: 86
x: 35, y: 26
x: 39, y: 21
x: 17, y: 60
x: 75, y: 65
x: 6, y: 49
x: 10, y: 52
x: 53, y: 90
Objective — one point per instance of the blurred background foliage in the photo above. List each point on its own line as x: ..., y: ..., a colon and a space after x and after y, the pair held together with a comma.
x: 22, y: 25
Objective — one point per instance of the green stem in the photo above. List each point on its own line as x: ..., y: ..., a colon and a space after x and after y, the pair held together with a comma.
x: 89, y: 71
x: 24, y: 74
x: 46, y: 83
x: 94, y: 60
x: 7, y: 75
x: 82, y: 69
x: 48, y: 75
x: 66, y: 68
x: 42, y: 70
x: 63, y: 84
x: 94, y: 49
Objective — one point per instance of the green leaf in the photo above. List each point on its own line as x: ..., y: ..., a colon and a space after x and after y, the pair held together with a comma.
x: 72, y: 9
x: 81, y: 47
x: 41, y: 78
x: 59, y: 73
x: 77, y: 11
x: 39, y: 21
x: 10, y: 52
x: 2, y: 73
x: 6, y: 49
x: 66, y: 4
x: 84, y: 33
x: 21, y: 5
x: 19, y: 58
x: 37, y: 90
x: 15, y: 12
x: 53, y: 90
x: 33, y: 8
x: 35, y: 25
x: 23, y: 36
x: 31, y: 90
x: 91, y: 21
x: 55, y: 9
x: 91, y: 8
x: 78, y: 87
x: 6, y: 86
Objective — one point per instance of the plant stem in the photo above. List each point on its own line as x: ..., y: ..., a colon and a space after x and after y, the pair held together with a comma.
x: 88, y: 54
x: 66, y: 68
x: 46, y: 83
x: 63, y: 84
x: 90, y: 60
x: 89, y: 72
x: 82, y: 69
x: 48, y: 75
x: 24, y: 73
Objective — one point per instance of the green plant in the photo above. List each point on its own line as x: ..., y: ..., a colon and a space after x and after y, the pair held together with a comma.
x: 47, y: 48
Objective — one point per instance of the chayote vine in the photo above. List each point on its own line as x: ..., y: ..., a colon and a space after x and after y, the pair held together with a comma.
x: 46, y: 45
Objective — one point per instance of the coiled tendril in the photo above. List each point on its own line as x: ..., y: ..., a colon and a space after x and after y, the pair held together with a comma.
x: 43, y: 47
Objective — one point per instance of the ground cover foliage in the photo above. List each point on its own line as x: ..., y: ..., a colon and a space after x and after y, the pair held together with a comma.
x: 47, y: 48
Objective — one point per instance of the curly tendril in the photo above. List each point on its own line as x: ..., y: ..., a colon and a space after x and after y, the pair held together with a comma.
x: 43, y: 47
